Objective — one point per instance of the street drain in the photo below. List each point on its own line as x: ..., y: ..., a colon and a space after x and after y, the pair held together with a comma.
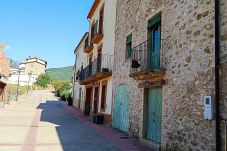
x: 124, y: 137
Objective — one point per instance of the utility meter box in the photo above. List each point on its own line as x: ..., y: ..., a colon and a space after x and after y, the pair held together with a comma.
x: 208, y: 108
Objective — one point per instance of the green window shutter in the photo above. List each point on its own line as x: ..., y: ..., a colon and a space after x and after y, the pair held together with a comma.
x: 154, y: 21
x: 129, y: 39
x: 128, y: 46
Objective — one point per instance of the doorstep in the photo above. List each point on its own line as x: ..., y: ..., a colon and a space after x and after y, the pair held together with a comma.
x: 151, y: 144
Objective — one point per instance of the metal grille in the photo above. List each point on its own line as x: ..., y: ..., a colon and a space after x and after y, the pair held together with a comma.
x: 145, y: 57
x: 103, y: 63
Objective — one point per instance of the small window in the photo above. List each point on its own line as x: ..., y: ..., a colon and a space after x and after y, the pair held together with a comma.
x: 128, y: 46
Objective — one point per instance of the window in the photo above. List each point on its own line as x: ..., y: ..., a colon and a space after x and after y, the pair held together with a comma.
x: 128, y: 46
x: 99, y: 59
x: 90, y: 58
x: 101, y: 18
x: 93, y: 29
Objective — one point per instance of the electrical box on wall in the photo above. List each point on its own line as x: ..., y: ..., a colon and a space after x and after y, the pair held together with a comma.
x: 208, y: 108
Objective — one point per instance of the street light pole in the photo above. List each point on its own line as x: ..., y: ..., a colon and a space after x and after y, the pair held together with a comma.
x: 29, y: 74
x: 18, y: 83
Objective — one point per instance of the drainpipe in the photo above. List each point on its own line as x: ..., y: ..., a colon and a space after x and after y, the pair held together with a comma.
x: 225, y: 138
x: 217, y: 67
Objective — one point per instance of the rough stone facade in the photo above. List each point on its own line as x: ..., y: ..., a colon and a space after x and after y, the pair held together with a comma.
x: 189, y: 59
x: 223, y: 70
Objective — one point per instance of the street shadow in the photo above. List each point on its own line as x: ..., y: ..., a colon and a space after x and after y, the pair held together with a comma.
x: 73, y: 135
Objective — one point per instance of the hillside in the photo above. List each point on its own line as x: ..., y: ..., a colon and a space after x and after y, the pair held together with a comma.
x: 63, y: 74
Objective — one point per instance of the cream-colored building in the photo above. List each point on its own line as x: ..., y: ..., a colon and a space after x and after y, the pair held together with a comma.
x: 30, y: 69
x: 96, y: 73
x: 33, y: 65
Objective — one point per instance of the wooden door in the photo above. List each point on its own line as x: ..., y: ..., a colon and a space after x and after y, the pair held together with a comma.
x: 121, y: 108
x: 80, y: 91
x: 103, y: 98
x: 88, y: 101
x: 155, y: 45
x: 154, y: 114
x: 96, y: 99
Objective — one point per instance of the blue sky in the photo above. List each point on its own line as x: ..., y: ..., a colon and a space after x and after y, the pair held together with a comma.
x: 50, y: 29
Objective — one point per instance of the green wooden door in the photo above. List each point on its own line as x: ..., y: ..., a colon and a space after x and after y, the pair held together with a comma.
x: 154, y: 114
x: 121, y: 108
x: 155, y: 44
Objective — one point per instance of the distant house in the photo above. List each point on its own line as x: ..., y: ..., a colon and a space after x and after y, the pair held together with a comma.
x: 80, y: 61
x: 30, y: 69
x: 4, y: 73
x: 33, y: 65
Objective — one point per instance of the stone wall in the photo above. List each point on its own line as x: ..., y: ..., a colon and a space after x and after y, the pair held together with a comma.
x: 4, y: 64
x: 188, y: 54
x: 223, y: 72
x: 189, y: 34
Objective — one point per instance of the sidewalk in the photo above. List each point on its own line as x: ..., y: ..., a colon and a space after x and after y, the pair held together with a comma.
x: 40, y: 122
x: 114, y: 136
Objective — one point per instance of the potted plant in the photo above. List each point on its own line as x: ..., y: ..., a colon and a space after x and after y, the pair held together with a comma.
x: 135, y: 64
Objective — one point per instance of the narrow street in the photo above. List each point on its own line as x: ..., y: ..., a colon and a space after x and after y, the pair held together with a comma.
x: 39, y: 122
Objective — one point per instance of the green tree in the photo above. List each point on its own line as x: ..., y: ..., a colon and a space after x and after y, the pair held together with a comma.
x: 43, y: 80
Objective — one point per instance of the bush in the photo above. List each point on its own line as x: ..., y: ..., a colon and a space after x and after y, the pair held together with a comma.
x: 57, y: 84
x: 63, y: 90
x: 43, y: 80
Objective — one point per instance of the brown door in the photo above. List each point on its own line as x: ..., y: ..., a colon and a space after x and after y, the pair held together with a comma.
x: 80, y: 97
x: 88, y: 101
x: 96, y: 99
x: 103, y: 98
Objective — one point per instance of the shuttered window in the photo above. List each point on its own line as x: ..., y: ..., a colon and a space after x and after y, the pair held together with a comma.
x: 128, y: 46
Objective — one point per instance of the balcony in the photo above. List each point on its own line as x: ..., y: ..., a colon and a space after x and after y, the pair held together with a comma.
x: 96, y: 36
x: 147, y: 62
x: 87, y: 46
x: 99, y: 69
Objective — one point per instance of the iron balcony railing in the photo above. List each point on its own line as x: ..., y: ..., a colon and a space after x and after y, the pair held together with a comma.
x: 96, y: 29
x: 103, y: 63
x: 147, y: 56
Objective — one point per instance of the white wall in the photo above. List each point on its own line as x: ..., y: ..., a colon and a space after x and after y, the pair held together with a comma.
x: 81, y: 59
x: 25, y: 79
x: 107, y: 42
x: 108, y: 26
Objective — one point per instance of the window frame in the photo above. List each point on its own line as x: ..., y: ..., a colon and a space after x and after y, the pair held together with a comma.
x: 128, y: 51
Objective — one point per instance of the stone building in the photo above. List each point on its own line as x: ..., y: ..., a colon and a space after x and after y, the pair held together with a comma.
x: 96, y: 70
x: 223, y: 73
x: 164, y: 67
